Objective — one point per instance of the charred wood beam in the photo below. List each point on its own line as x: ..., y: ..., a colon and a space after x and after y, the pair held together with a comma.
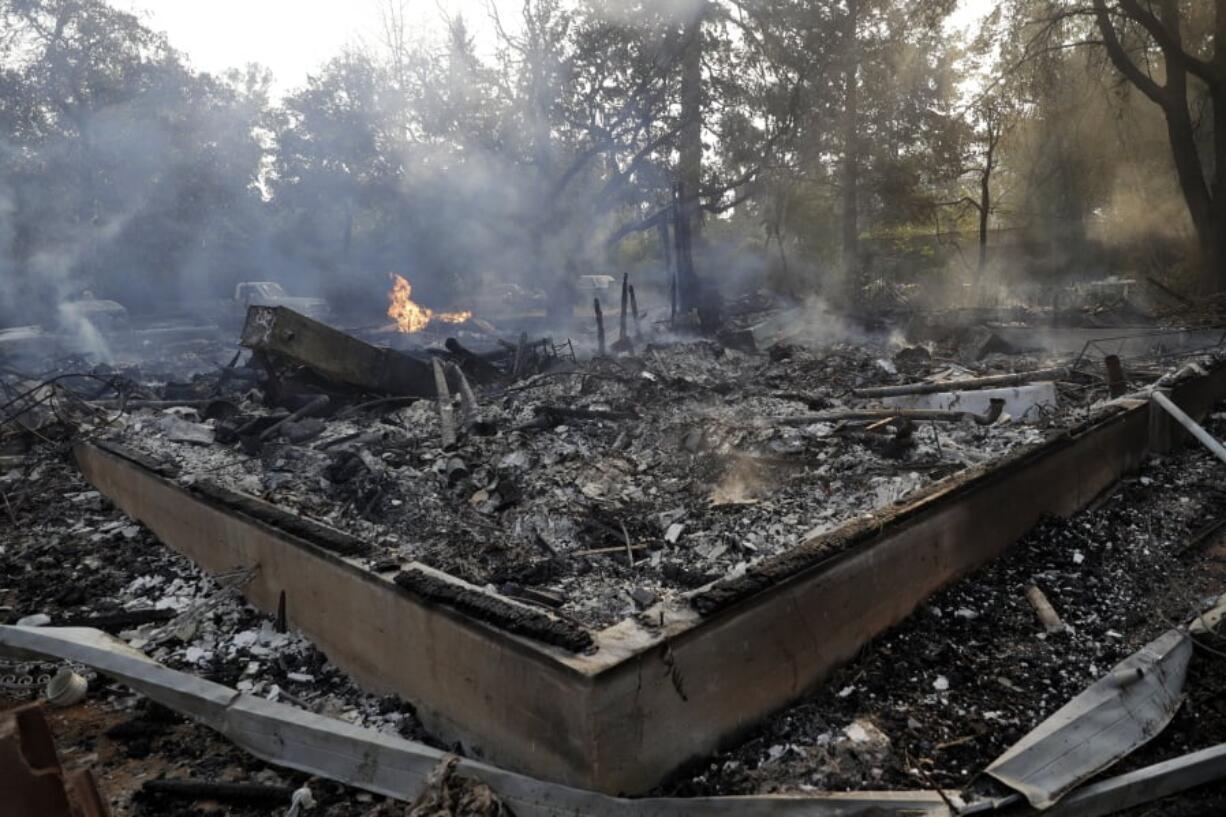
x: 521, y: 349
x: 624, y: 344
x: 992, y: 381
x: 332, y: 354
x: 634, y: 310
x: 939, y: 415
x: 122, y: 620
x: 468, y: 400
x: 446, y: 417
x: 1117, y: 384
x: 317, y: 406
x: 621, y: 329
x: 476, y: 365
x: 149, y: 404
x: 247, y: 793
x: 815, y: 402
x: 599, y: 325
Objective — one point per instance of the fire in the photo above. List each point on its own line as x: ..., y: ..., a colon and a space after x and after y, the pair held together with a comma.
x: 412, y: 317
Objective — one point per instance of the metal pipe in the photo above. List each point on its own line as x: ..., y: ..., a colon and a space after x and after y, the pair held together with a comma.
x: 1191, y: 425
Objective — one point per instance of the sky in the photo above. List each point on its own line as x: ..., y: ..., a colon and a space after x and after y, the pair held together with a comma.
x: 294, y: 37
x: 290, y: 37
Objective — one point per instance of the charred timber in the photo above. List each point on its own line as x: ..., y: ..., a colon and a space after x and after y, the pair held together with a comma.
x: 993, y: 413
x: 993, y: 381
x: 446, y: 417
x: 487, y: 607
x: 599, y: 325
x: 334, y: 355
x: 482, y: 370
x: 1117, y: 384
x: 309, y: 530
x: 247, y: 793
x: 468, y: 399
x: 317, y: 405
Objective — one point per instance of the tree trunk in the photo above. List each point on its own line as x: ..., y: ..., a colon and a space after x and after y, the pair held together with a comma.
x: 691, y: 115
x: 1188, y: 168
x: 1215, y: 254
x: 985, y: 205
x: 685, y: 280
x: 851, y: 157
x: 1206, y: 202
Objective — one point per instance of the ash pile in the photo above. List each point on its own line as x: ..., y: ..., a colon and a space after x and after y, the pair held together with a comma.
x: 595, y: 480
x: 597, y: 483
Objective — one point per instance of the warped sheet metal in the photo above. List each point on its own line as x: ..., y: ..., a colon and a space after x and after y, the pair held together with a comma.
x: 391, y: 766
x: 1117, y: 714
x: 1145, y: 785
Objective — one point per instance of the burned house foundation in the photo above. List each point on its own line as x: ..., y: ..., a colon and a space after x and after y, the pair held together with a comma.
x: 618, y: 707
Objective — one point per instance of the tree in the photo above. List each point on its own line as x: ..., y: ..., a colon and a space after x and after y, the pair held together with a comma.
x: 126, y: 173
x: 1132, y: 33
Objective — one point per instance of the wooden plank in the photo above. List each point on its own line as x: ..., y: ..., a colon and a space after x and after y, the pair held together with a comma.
x: 334, y: 354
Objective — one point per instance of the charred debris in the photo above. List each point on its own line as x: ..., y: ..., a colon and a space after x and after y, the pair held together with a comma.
x: 607, y: 470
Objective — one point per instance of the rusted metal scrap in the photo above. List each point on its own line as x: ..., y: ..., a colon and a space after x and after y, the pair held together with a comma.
x: 334, y: 355
x: 33, y: 782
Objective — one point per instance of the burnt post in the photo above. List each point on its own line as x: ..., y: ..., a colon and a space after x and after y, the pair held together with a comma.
x: 599, y: 325
x: 1117, y: 385
x: 666, y: 247
x: 634, y: 310
x: 446, y: 417
x: 621, y: 329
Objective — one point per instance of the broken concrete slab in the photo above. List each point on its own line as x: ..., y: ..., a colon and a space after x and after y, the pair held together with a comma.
x: 335, y: 355
x: 1117, y: 714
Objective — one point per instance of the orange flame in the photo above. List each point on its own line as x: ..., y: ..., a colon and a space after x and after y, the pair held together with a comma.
x: 412, y: 317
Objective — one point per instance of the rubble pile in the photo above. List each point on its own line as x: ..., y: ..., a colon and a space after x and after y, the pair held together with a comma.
x: 71, y: 558
x: 595, y: 488
x: 932, y: 701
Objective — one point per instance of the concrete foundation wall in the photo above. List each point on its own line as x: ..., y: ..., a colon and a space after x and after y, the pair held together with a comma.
x: 507, y: 701
x: 654, y: 694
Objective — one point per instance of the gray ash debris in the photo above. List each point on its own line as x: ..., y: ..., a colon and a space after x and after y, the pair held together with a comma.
x: 960, y: 681
x: 593, y: 480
